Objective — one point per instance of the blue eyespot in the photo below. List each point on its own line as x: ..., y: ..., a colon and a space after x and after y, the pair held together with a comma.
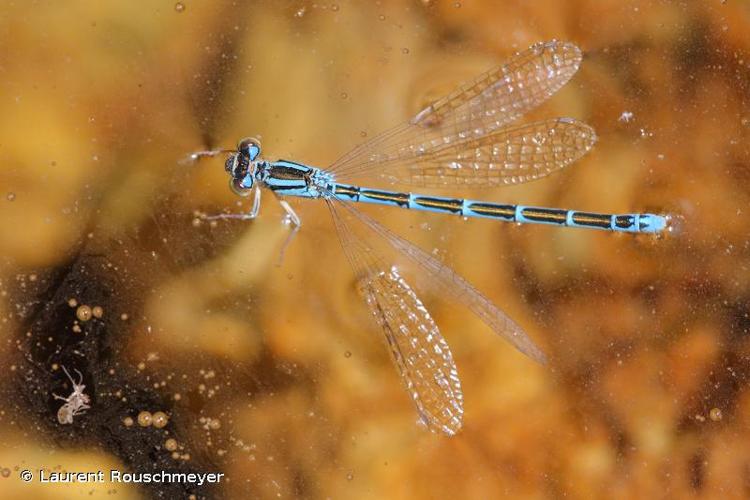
x: 250, y: 147
x: 242, y: 186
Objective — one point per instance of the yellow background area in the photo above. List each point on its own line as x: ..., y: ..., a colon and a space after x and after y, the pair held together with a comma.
x: 646, y: 392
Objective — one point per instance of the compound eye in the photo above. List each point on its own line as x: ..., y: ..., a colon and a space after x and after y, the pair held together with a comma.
x: 250, y: 146
x: 241, y: 187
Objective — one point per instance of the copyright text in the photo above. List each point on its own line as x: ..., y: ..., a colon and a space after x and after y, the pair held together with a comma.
x: 116, y: 476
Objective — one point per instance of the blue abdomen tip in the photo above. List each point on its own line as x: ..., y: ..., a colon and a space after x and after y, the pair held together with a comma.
x: 651, y: 223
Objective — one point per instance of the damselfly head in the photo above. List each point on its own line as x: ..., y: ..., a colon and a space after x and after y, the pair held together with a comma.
x: 241, y: 173
x: 241, y: 178
x: 241, y: 166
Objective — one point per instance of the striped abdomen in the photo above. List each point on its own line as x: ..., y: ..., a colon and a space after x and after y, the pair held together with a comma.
x: 630, y: 223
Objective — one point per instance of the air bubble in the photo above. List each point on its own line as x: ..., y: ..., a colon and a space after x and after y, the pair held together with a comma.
x: 84, y: 313
x: 145, y: 418
x: 159, y: 419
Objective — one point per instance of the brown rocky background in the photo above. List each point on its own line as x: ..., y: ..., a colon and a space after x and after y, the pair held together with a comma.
x: 275, y: 375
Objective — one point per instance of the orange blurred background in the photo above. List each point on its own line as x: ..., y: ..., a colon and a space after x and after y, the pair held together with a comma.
x: 274, y: 374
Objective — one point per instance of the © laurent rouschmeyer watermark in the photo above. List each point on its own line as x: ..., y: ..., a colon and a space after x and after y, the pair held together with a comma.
x: 117, y: 476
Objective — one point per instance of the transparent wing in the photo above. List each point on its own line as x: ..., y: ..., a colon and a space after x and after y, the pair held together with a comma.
x: 475, y: 110
x: 418, y: 350
x: 507, y: 156
x: 420, y: 353
x: 453, y: 286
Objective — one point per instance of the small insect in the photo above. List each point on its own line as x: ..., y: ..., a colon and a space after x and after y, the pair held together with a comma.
x: 76, y: 403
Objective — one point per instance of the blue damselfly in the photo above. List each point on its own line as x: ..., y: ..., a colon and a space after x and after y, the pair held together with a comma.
x: 462, y: 140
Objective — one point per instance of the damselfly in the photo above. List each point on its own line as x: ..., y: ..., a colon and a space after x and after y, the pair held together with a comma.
x: 462, y: 140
